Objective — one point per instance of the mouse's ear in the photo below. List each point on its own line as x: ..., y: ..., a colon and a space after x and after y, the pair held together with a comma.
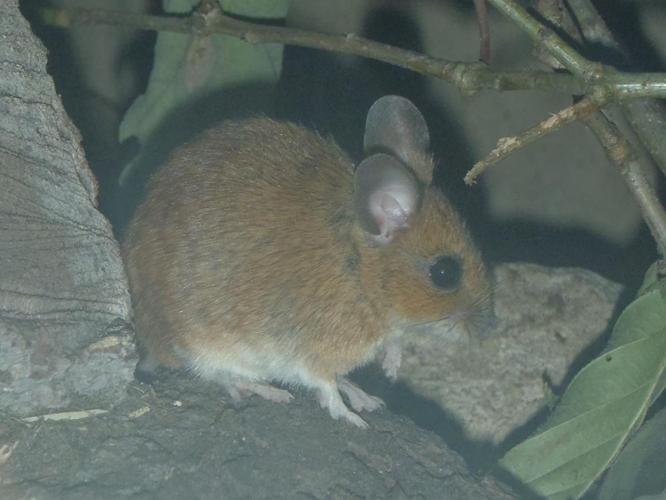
x: 386, y: 195
x: 394, y: 125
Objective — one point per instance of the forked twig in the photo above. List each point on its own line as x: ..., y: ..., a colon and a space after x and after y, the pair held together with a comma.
x: 508, y: 145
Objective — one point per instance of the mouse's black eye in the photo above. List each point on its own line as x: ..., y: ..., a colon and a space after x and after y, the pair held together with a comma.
x: 446, y: 273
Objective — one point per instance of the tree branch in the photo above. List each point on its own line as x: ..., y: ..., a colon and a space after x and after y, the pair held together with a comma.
x: 622, y: 154
x: 468, y: 77
x: 619, y: 150
x: 484, y: 30
x: 508, y: 145
x: 551, y: 41
x: 597, y: 76
x: 646, y: 116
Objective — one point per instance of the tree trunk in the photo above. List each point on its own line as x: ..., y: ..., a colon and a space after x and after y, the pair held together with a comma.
x: 62, y: 284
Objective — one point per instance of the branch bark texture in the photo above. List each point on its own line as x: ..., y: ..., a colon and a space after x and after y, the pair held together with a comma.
x: 468, y: 77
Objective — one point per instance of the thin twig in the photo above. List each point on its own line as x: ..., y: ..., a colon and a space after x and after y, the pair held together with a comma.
x: 619, y: 150
x: 593, y: 26
x: 646, y: 116
x: 484, y: 30
x: 66, y: 415
x: 556, y: 13
x: 648, y: 119
x: 551, y: 41
x: 622, y: 154
x: 508, y: 145
x: 623, y: 85
x: 468, y: 77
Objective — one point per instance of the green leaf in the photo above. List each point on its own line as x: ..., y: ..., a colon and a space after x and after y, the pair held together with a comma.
x: 640, y: 468
x: 602, y: 406
x: 188, y: 67
x: 652, y: 280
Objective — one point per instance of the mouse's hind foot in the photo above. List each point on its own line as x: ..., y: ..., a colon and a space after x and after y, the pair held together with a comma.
x: 240, y: 388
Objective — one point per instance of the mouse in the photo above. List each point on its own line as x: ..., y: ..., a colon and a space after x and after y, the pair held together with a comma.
x: 263, y: 258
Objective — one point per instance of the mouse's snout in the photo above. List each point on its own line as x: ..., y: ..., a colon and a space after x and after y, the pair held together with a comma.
x: 481, y: 321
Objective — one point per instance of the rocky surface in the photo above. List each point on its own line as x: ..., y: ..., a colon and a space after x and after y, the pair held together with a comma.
x: 546, y: 320
x: 185, y: 439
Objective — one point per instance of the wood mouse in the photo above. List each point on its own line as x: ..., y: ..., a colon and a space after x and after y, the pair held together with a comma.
x: 262, y: 254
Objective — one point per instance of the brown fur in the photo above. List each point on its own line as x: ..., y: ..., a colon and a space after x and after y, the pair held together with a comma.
x: 248, y: 238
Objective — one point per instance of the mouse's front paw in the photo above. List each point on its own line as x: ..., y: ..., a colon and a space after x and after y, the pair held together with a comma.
x: 392, y: 359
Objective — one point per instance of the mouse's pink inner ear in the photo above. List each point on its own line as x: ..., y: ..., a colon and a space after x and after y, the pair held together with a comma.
x: 394, y: 125
x: 386, y: 195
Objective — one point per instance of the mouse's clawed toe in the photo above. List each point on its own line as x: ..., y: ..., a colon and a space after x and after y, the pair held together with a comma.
x: 330, y: 398
x: 356, y: 420
x: 358, y: 398
x: 242, y: 388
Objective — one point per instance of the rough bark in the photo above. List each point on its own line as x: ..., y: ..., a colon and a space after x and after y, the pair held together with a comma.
x: 62, y: 284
